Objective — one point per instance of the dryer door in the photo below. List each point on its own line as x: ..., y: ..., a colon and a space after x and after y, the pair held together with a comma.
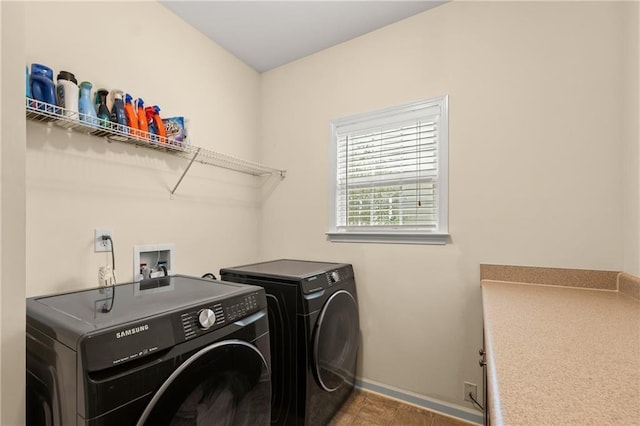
x: 226, y: 383
x: 336, y: 341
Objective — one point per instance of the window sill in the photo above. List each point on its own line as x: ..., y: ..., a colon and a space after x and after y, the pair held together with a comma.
x: 388, y: 237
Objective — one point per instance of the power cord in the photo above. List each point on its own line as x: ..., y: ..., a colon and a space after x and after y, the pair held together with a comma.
x: 113, y: 258
x: 475, y: 402
x: 109, y: 274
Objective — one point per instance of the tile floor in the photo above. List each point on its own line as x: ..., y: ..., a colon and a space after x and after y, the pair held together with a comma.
x: 367, y: 408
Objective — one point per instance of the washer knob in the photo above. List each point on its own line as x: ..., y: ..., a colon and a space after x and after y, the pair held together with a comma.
x: 206, y: 318
x: 335, y: 276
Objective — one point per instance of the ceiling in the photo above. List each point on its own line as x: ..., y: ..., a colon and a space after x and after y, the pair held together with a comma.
x: 267, y: 34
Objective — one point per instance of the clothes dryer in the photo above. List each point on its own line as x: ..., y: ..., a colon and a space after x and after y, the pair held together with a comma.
x: 169, y: 351
x: 315, y: 335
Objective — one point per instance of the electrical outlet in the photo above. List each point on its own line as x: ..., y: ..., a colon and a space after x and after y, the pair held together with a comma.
x: 470, y: 388
x: 100, y: 244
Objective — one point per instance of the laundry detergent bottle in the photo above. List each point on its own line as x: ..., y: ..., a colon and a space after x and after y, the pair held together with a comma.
x: 85, y: 105
x: 43, y: 88
x: 117, y: 111
x: 28, y: 85
x: 68, y: 93
x: 104, y: 116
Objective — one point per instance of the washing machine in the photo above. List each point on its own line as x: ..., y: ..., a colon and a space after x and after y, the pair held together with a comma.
x: 315, y: 335
x: 169, y: 351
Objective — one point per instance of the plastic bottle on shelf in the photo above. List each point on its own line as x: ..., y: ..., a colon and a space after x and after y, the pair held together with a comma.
x: 104, y: 116
x: 158, y: 124
x: 130, y: 113
x: 117, y: 112
x: 85, y: 106
x: 148, y: 114
x: 43, y: 88
x: 142, y: 120
x: 28, y: 85
x: 67, y: 92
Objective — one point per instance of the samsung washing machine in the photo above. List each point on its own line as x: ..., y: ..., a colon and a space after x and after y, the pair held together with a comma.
x: 315, y: 335
x: 170, y: 351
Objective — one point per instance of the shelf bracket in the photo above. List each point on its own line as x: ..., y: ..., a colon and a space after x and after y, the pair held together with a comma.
x: 173, y: 191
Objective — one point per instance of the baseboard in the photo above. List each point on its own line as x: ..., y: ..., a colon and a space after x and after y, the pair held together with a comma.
x: 446, y: 408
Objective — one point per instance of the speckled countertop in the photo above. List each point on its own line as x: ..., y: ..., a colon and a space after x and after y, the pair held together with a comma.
x: 561, y: 356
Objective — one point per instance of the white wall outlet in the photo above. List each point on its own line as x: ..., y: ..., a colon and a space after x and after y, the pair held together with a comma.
x: 100, y: 244
x: 470, y: 388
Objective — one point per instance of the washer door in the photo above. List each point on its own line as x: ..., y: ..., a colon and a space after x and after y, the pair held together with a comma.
x: 226, y: 383
x: 336, y: 341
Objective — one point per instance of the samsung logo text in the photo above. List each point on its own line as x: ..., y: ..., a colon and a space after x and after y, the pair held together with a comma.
x: 134, y: 330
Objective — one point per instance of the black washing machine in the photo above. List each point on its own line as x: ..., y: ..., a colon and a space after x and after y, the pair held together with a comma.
x: 315, y: 335
x: 170, y: 351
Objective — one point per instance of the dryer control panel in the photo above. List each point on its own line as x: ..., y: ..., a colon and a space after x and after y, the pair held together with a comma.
x: 327, y: 279
x: 203, y: 319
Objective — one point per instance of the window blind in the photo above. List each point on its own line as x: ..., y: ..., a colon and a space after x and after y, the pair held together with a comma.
x: 388, y: 170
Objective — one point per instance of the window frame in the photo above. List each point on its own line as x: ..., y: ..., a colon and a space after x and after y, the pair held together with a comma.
x: 441, y: 234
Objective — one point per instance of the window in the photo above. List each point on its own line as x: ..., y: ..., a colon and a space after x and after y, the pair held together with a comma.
x: 389, y: 176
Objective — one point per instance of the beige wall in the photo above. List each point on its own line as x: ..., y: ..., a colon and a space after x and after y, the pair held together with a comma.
x: 535, y: 167
x: 521, y: 192
x: 631, y: 153
x: 76, y: 183
x: 12, y: 215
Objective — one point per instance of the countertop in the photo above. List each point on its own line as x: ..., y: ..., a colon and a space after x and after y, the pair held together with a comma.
x: 561, y: 356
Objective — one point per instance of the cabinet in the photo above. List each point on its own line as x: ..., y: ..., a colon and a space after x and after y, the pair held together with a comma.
x: 74, y: 121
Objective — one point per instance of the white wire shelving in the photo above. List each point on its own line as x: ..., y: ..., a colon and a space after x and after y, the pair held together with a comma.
x: 52, y: 114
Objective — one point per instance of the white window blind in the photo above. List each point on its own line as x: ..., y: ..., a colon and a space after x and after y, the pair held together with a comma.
x: 390, y: 174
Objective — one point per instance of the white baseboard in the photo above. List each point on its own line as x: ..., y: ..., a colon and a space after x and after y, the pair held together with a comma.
x: 445, y: 408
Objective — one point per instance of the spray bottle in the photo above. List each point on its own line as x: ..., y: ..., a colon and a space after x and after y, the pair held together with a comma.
x: 142, y: 120
x: 148, y: 114
x: 130, y: 114
x: 156, y: 126
x: 159, y: 125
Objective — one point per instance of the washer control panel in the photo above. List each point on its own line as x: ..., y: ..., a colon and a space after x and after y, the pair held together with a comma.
x: 242, y: 308
x: 203, y: 319
x: 206, y: 318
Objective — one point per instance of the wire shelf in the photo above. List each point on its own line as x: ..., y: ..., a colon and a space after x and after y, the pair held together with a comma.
x: 83, y: 123
x: 73, y: 120
x: 217, y: 159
